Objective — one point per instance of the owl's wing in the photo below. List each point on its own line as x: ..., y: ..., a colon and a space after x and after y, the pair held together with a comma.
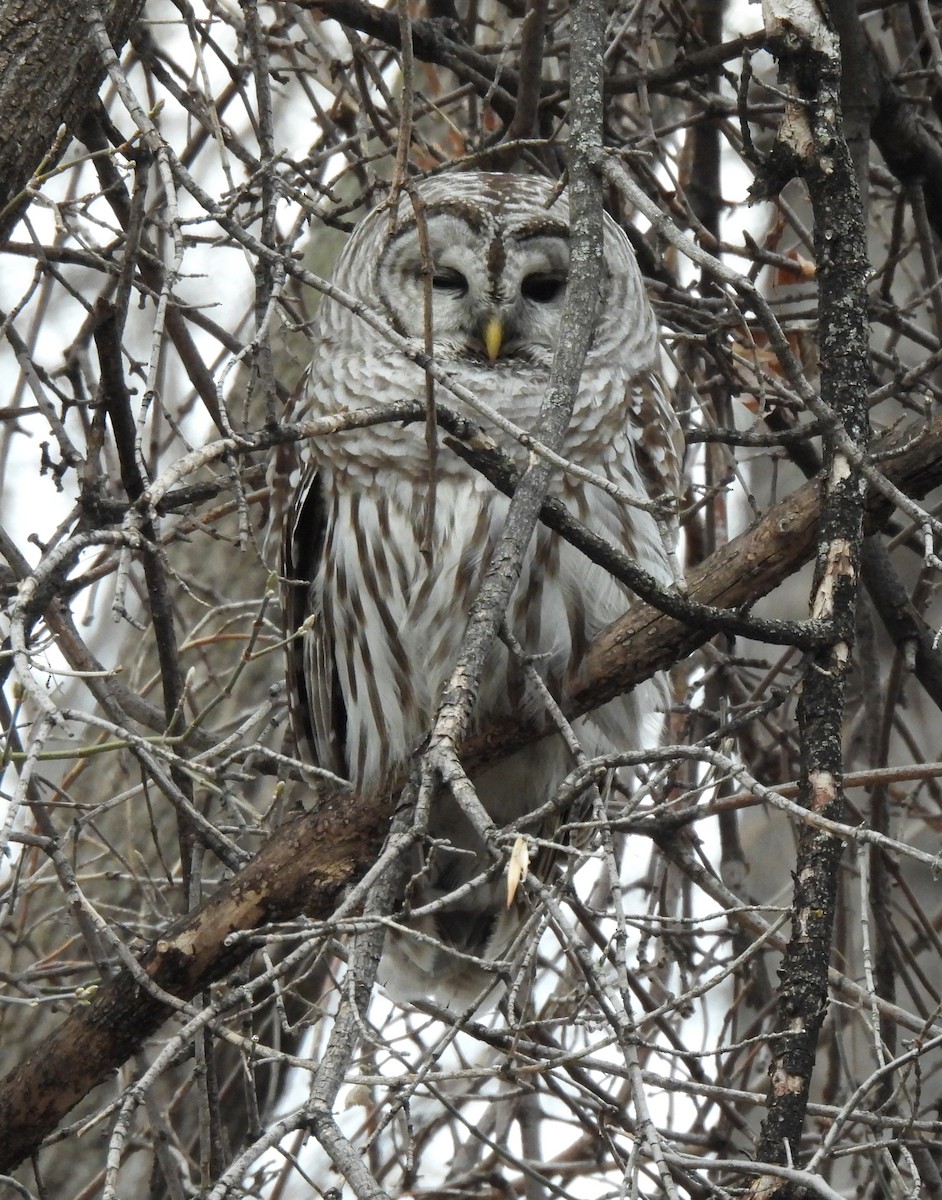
x: 659, y: 440
x: 318, y: 715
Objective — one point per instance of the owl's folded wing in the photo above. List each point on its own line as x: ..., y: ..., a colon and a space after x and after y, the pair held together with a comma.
x: 318, y: 715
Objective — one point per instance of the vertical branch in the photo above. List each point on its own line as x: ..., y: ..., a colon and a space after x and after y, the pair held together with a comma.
x: 407, y: 102
x: 116, y: 401
x: 266, y: 143
x: 525, y: 121
x: 577, y: 326
x: 812, y: 137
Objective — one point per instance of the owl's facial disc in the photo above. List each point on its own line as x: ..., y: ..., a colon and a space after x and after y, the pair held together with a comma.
x: 496, y: 289
x: 505, y: 306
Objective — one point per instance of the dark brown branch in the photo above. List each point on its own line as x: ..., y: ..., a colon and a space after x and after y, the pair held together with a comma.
x: 302, y: 869
x: 875, y: 107
x: 902, y: 622
x: 307, y: 864
x: 497, y: 468
x: 147, y: 263
x: 116, y: 400
x: 524, y: 123
x: 910, y: 149
x: 810, y: 63
x: 432, y: 44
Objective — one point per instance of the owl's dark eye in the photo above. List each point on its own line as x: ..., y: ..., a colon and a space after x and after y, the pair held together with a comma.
x: 543, y: 289
x: 450, y: 281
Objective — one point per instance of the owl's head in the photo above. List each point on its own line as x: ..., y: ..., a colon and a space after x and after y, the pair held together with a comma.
x: 491, y: 254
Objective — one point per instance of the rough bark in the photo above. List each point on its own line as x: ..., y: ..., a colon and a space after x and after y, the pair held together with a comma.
x: 305, y: 866
x: 810, y: 63
x: 49, y: 76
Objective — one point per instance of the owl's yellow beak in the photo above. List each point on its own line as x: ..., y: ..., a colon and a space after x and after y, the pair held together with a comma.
x: 493, y: 337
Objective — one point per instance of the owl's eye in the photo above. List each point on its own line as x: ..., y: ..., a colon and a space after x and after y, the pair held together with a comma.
x: 543, y: 289
x: 450, y: 281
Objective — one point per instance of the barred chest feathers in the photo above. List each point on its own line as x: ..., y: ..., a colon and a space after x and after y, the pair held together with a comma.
x: 401, y: 615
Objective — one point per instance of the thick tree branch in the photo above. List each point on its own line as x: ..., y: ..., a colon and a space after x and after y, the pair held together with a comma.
x: 810, y: 63
x: 228, y: 112
x: 306, y: 865
x: 49, y: 76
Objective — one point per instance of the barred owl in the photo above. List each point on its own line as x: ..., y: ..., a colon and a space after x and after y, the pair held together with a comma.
x: 385, y: 621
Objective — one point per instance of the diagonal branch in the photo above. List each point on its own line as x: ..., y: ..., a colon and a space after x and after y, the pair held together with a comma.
x: 308, y: 863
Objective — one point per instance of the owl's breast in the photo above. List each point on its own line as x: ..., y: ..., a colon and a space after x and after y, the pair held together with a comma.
x: 514, y: 390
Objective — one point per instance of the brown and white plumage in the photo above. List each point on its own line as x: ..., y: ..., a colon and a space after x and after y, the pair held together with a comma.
x: 388, y: 621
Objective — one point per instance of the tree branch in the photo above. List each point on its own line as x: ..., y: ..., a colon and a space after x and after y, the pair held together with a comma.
x: 810, y: 62
x: 49, y: 76
x: 305, y: 866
